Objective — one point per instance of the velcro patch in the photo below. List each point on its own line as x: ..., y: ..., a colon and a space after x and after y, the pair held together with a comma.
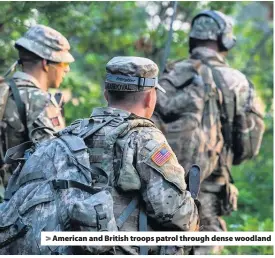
x: 162, y: 155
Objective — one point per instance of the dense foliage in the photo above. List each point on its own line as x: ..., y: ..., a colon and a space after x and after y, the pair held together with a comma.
x: 98, y: 31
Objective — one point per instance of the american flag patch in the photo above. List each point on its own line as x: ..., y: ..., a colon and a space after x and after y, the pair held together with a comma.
x: 161, y: 156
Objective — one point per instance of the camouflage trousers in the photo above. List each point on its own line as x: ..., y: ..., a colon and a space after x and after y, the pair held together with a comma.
x: 210, y: 220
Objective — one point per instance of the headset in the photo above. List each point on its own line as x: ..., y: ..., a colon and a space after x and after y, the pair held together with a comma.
x: 225, y: 38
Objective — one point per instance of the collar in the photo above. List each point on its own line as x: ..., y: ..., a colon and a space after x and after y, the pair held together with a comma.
x: 208, y: 53
x: 109, y: 111
x: 26, y: 77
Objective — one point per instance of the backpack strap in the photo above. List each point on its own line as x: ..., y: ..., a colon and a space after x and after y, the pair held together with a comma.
x: 227, y: 114
x: 16, y: 153
x: 61, y: 184
x: 142, y: 219
x: 127, y: 212
x: 142, y: 227
x: 93, y: 129
x: 21, y: 107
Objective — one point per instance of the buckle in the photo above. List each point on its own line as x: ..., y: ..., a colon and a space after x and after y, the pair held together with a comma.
x: 19, y: 225
x: 60, y: 184
x: 141, y: 81
x: 117, y: 121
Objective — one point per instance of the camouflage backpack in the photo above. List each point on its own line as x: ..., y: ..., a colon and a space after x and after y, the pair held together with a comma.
x: 189, y: 114
x: 55, y: 188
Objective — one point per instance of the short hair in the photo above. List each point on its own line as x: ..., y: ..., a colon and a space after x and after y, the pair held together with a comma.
x: 27, y: 56
x: 127, y: 97
x: 193, y: 43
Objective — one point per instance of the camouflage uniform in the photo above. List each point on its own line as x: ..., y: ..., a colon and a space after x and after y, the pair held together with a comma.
x: 161, y: 184
x: 162, y: 187
x: 216, y: 188
x: 134, y: 155
x: 41, y: 108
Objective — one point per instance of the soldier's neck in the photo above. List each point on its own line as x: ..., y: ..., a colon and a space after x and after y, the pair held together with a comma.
x: 40, y: 77
x: 132, y: 109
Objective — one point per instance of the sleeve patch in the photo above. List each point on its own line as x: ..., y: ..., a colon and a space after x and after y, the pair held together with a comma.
x: 161, y: 155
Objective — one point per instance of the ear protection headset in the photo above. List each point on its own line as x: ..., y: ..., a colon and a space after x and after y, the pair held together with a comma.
x: 226, y: 39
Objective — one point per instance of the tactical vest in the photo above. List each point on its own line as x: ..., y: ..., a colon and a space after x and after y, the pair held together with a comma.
x: 107, y: 149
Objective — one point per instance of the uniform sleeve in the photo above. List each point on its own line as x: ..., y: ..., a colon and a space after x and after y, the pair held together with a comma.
x: 38, y: 107
x: 163, y: 184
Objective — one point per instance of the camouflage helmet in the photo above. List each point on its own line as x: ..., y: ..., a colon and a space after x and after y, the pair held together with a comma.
x: 213, y: 25
x: 47, y: 43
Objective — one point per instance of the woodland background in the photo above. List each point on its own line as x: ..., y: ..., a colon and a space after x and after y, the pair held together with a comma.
x: 98, y: 31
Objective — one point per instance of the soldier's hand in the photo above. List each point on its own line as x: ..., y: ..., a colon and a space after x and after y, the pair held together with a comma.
x: 233, y: 196
x: 195, y: 226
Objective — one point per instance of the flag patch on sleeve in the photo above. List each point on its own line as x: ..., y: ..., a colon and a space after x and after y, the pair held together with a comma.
x: 161, y: 156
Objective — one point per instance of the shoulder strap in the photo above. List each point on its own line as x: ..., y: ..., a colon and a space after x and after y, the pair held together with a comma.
x: 142, y: 223
x: 142, y: 226
x: 226, y: 113
x: 20, y: 106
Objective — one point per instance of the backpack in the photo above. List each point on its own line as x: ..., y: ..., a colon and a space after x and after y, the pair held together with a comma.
x: 243, y: 131
x: 55, y: 188
x: 192, y: 125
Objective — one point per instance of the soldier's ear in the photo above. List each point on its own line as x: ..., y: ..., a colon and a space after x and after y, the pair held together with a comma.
x: 106, y: 95
x: 45, y: 65
x: 148, y: 99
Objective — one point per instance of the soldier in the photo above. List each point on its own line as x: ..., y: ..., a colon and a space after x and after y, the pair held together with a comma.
x: 232, y: 122
x: 144, y: 176
x: 146, y: 163
x: 44, y: 57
